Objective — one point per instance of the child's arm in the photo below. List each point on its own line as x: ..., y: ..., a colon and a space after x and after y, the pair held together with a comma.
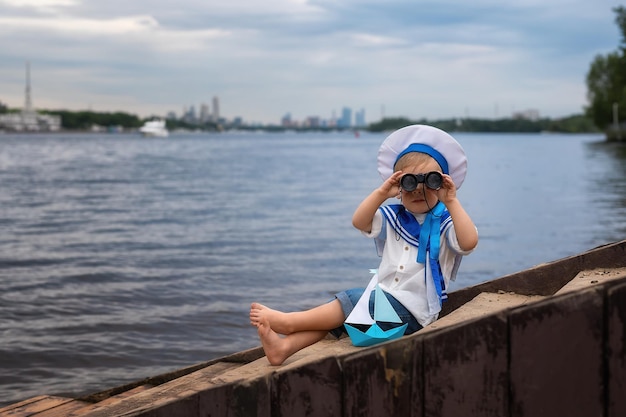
x: 463, y: 225
x: 364, y: 214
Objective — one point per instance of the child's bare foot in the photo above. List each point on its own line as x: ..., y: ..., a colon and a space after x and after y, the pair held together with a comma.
x: 274, y: 346
x: 277, y: 320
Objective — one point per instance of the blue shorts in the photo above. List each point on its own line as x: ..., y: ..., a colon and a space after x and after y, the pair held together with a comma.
x: 349, y: 298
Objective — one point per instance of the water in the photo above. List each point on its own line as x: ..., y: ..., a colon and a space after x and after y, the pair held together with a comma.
x: 123, y: 257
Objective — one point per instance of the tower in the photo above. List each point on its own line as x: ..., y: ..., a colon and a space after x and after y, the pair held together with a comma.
x: 28, y: 104
x: 29, y: 117
x: 346, y: 117
x: 204, y: 113
x: 216, y: 109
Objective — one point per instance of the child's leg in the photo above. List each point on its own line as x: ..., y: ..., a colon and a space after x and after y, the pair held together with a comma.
x: 277, y: 349
x: 324, y: 317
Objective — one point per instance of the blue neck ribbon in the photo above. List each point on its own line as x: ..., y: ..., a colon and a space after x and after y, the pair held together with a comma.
x: 426, y: 237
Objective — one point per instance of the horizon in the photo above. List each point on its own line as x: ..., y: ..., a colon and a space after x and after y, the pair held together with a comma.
x: 278, y: 124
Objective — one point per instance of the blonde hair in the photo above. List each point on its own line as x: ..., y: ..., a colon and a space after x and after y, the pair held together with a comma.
x: 412, y: 159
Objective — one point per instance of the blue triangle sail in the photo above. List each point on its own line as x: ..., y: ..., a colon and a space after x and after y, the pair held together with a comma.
x: 383, y: 312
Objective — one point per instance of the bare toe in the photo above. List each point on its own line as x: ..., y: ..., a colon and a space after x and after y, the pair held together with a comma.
x: 273, y: 344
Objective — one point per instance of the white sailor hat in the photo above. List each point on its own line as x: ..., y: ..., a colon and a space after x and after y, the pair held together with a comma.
x: 426, y: 139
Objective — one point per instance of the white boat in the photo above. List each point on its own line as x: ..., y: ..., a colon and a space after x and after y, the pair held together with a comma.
x: 154, y: 128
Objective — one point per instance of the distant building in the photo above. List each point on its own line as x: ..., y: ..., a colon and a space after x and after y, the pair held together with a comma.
x: 237, y: 121
x: 189, y: 115
x: 216, y: 109
x: 286, y: 120
x: 204, y: 113
x: 333, y: 119
x: 359, y: 118
x: 530, y: 114
x: 28, y: 120
x: 346, y: 118
x: 313, y: 121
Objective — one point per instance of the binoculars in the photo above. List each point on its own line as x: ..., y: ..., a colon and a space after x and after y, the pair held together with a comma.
x: 432, y: 180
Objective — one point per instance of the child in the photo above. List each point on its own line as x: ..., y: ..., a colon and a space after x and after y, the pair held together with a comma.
x: 421, y: 242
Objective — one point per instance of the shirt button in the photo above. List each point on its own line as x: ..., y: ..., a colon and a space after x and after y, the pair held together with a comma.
x: 397, y: 279
x: 401, y: 267
x: 406, y: 248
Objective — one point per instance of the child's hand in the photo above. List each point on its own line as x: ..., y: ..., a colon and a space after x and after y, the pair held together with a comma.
x: 365, y: 212
x: 447, y: 192
x: 391, y: 187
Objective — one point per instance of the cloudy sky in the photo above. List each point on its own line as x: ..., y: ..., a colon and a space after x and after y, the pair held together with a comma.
x: 263, y: 58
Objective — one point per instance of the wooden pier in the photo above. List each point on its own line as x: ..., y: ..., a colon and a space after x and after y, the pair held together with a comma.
x: 548, y: 341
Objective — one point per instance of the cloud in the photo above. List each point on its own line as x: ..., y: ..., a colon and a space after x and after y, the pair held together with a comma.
x: 82, y: 26
x: 41, y: 4
x: 426, y: 59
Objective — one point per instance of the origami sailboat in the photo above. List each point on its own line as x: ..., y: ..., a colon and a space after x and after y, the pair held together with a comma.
x: 383, y: 312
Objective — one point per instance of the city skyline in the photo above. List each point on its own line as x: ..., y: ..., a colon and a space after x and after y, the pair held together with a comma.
x: 211, y: 113
x: 29, y: 119
x: 207, y: 114
x: 440, y: 59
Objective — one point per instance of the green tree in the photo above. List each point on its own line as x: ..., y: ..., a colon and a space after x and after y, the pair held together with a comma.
x: 84, y: 120
x: 606, y: 80
x: 389, y: 124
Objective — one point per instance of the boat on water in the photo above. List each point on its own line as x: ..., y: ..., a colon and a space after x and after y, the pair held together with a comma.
x: 546, y: 341
x: 154, y: 128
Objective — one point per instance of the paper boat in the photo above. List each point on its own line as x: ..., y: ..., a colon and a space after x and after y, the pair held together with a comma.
x: 383, y: 312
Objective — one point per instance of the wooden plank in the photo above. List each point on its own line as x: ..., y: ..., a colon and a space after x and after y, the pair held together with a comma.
x: 242, y: 357
x: 616, y: 350
x: 62, y: 410
x: 249, y: 398
x: 206, y: 382
x: 556, y: 356
x: 107, y: 402
x: 482, y: 305
x: 545, y: 279
x: 181, y: 391
x: 590, y: 278
x: 33, y: 406
x: 310, y: 390
x: 384, y: 381
x: 185, y: 405
x: 466, y: 369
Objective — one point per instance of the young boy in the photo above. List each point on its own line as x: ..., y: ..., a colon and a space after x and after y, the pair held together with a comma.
x: 421, y: 242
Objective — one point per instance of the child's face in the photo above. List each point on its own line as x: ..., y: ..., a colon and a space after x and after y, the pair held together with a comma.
x: 422, y: 199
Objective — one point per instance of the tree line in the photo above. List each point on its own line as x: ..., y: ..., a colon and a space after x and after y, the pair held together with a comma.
x: 606, y: 85
x: 85, y: 120
x: 571, y: 124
